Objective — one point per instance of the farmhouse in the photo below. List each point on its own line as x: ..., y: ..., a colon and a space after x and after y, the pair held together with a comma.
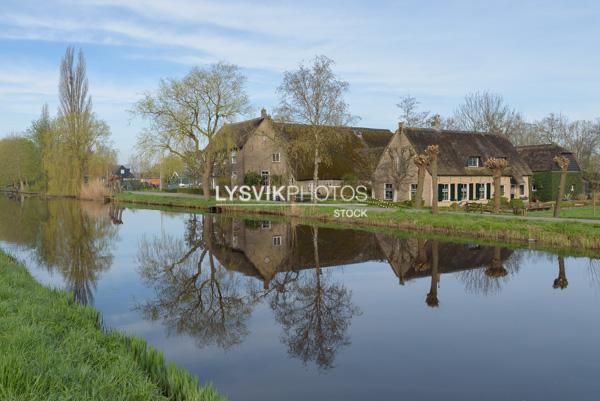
x: 461, y: 171
x: 260, y: 148
x: 546, y: 173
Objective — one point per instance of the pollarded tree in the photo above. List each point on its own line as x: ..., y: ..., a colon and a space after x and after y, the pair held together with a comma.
x: 497, y: 167
x: 563, y: 163
x: 432, y: 152
x: 186, y: 114
x: 314, y: 96
x: 421, y: 161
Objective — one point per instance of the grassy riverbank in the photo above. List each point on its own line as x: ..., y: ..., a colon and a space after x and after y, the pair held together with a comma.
x: 54, y: 349
x: 559, y: 233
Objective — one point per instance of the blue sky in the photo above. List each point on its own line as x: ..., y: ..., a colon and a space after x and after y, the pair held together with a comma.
x: 542, y: 57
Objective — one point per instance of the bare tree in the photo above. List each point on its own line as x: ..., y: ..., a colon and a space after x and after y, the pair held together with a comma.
x: 313, y: 95
x: 185, y: 116
x: 487, y: 112
x: 563, y: 163
x: 408, y: 106
x: 497, y: 166
x: 432, y: 153
x: 421, y: 161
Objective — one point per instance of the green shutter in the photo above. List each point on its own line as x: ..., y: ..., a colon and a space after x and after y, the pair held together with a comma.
x: 488, y: 190
x: 459, y: 194
x: 452, y: 193
x: 440, y: 197
x: 471, y: 192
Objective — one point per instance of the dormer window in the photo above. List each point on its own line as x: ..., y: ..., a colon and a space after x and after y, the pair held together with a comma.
x: 474, y: 161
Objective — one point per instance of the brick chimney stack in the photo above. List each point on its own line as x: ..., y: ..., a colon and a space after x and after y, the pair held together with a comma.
x: 401, y: 126
x: 435, y: 122
x: 263, y: 113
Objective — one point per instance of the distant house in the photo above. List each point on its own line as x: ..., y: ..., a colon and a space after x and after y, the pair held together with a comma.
x: 546, y: 174
x: 123, y: 173
x: 461, y: 171
x: 259, y: 147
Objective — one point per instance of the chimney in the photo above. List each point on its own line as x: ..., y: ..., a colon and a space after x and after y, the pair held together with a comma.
x: 435, y: 122
x: 401, y: 126
x: 263, y: 113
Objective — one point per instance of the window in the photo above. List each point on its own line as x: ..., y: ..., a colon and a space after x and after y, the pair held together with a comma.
x: 443, y: 192
x: 463, y: 192
x: 265, y: 225
x: 480, y: 191
x: 502, y: 189
x: 572, y: 188
x: 388, y: 192
x: 234, y: 174
x: 264, y: 175
x: 474, y: 161
x: 122, y: 171
x: 276, y: 157
x: 522, y: 189
x: 413, y: 191
x: 277, y: 240
x: 233, y: 156
x: 533, y: 188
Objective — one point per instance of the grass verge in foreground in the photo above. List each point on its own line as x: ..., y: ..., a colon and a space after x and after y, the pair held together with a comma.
x: 558, y: 233
x: 54, y: 349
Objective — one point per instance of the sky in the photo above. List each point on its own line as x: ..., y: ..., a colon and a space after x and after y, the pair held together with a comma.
x: 541, y: 56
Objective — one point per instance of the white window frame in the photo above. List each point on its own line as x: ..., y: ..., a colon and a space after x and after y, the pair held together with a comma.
x: 233, y: 156
x: 477, y: 159
x: 464, y: 191
x: 481, y: 194
x: 385, y: 191
x: 413, y: 192
x: 276, y: 157
x: 445, y: 192
x: 265, y: 225
x: 262, y: 176
x: 533, y: 188
x: 277, y: 240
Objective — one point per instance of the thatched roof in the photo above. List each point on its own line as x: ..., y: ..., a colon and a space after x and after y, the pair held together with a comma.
x: 356, y: 152
x: 456, y: 147
x: 541, y: 157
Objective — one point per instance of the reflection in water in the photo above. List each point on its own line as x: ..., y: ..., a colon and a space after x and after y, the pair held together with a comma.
x: 73, y: 239
x: 199, y: 291
x: 76, y: 241
x: 195, y: 294
x: 561, y: 281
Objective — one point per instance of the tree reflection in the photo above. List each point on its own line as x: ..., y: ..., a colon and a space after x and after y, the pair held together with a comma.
x: 76, y: 240
x: 315, y: 314
x: 489, y: 280
x: 194, y: 293
x: 561, y: 281
x: 432, y: 297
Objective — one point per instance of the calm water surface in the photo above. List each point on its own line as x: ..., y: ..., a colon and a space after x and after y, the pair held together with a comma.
x: 280, y: 311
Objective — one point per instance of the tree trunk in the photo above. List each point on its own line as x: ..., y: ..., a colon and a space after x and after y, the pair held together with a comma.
x: 315, y: 175
x: 206, y: 178
x: 420, y: 184
x: 561, y: 192
x: 497, y: 192
x: 434, y: 186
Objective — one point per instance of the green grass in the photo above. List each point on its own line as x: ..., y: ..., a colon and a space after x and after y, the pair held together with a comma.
x: 559, y: 233
x: 54, y: 349
x: 580, y: 212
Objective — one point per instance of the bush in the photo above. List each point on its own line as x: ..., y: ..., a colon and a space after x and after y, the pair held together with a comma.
x: 517, y: 205
x: 252, y: 178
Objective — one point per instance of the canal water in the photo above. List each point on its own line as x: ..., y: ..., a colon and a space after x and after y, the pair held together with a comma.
x: 275, y: 310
